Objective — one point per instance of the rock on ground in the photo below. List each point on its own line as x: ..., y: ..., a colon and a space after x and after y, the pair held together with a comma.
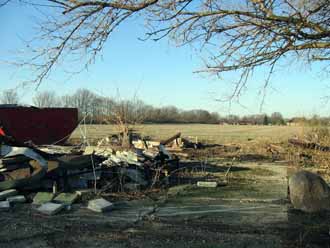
x: 309, y: 192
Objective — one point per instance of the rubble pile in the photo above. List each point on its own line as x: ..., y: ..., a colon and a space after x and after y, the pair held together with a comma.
x: 176, y: 145
x: 54, y: 171
x: 53, y: 178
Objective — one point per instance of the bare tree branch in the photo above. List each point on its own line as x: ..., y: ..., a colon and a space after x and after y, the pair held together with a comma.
x: 4, y: 3
x: 241, y: 35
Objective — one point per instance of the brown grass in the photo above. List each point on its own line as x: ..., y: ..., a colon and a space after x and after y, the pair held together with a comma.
x: 220, y: 134
x: 310, y: 157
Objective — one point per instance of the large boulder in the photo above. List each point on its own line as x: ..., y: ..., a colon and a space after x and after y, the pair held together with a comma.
x: 309, y: 192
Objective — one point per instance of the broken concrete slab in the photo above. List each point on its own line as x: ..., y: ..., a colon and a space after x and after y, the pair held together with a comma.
x: 4, y: 205
x: 43, y: 197
x: 51, y: 208
x: 16, y: 199
x: 100, y: 205
x: 206, y: 184
x: 127, y: 157
x: 104, y: 151
x: 66, y: 198
x: 7, y: 193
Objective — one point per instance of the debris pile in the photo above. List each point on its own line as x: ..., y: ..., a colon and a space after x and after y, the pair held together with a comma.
x: 308, y: 145
x: 179, y: 146
x: 53, y: 171
x: 54, y: 177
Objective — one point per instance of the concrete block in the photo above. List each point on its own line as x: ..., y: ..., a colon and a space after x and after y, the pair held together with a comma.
x: 50, y: 208
x: 16, y: 199
x: 4, y: 205
x: 43, y: 197
x: 66, y: 198
x: 100, y: 205
x: 7, y: 193
x: 206, y: 184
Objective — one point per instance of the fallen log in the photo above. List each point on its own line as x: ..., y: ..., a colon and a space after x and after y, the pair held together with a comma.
x: 169, y: 140
x: 309, y: 145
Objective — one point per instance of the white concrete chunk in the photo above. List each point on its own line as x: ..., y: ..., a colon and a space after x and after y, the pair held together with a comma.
x: 4, y: 205
x: 206, y: 184
x: 99, y: 205
x: 7, y: 193
x: 16, y: 199
x: 50, y: 208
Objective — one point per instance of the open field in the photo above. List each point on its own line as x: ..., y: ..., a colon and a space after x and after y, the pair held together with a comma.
x: 211, y: 133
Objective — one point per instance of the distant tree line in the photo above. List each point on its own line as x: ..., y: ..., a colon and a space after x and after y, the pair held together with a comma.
x: 275, y: 118
x: 96, y: 109
x: 315, y: 120
x: 102, y: 110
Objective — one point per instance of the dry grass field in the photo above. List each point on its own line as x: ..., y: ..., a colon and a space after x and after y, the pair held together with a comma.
x: 221, y: 134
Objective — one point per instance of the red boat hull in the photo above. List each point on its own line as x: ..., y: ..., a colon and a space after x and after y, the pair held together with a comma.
x: 42, y: 126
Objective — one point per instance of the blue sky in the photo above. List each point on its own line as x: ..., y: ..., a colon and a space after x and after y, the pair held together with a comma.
x: 161, y: 74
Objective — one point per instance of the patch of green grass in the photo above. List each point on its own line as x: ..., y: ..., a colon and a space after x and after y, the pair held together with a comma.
x: 234, y: 190
x: 254, y: 172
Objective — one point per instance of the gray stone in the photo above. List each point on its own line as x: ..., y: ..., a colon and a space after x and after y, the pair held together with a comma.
x: 100, y: 205
x: 4, y: 205
x: 50, y: 208
x: 16, y: 199
x: 7, y: 193
x: 206, y: 184
x: 309, y: 192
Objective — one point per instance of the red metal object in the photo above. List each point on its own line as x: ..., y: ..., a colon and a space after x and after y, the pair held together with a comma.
x: 42, y: 126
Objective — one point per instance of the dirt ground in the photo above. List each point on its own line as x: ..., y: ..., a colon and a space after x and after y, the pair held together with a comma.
x: 250, y: 211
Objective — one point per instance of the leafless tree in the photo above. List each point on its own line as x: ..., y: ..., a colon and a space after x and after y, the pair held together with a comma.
x: 66, y: 101
x: 237, y: 36
x: 3, y: 3
x: 46, y: 99
x: 126, y: 114
x: 83, y: 99
x: 9, y: 96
